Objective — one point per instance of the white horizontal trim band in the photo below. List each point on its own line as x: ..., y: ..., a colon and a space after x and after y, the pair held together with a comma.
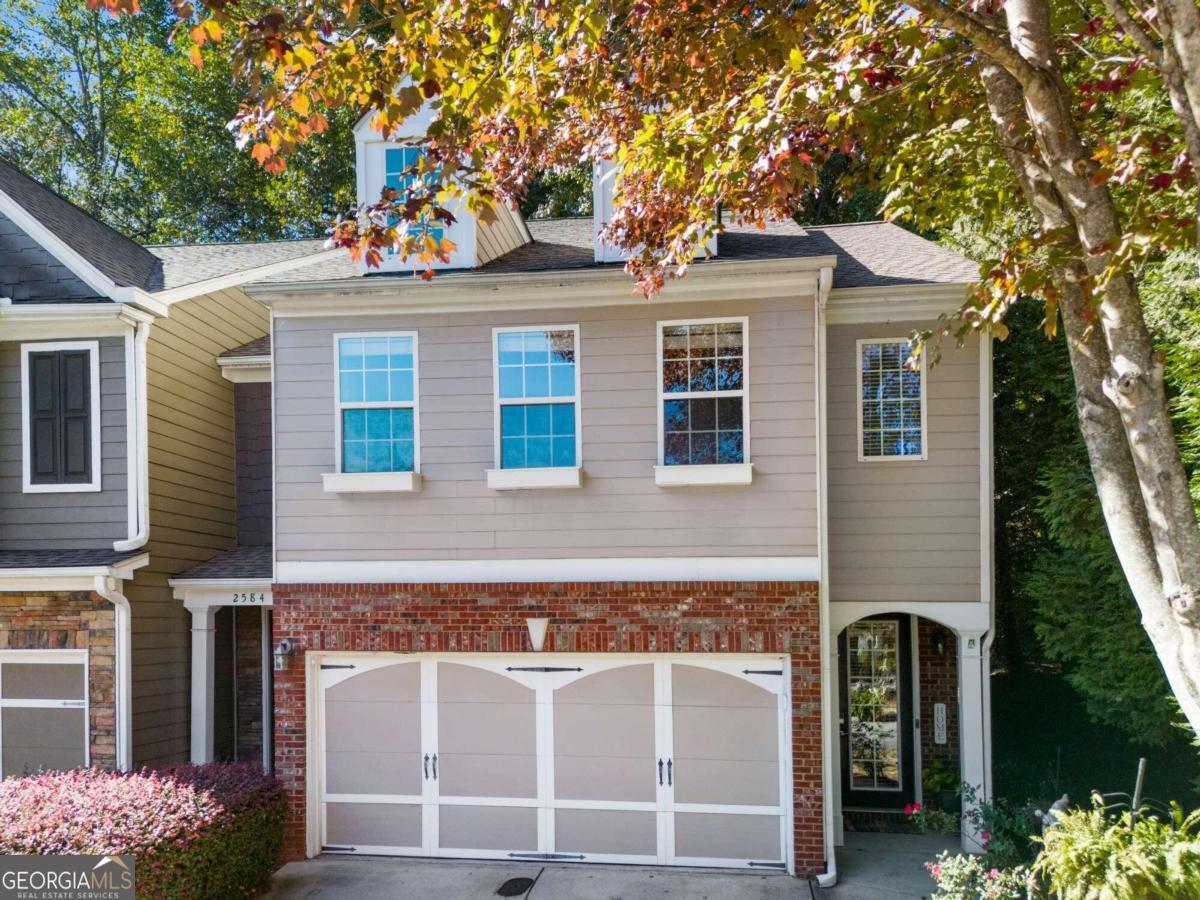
x: 517, y: 571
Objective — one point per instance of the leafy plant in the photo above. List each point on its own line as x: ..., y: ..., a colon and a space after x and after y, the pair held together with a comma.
x: 1005, y: 828
x: 966, y: 877
x: 930, y: 819
x: 939, y: 775
x: 1090, y: 855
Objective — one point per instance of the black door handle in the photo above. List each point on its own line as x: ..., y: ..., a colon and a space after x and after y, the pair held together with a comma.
x: 426, y: 764
x: 669, y: 782
x: 435, y: 767
x: 660, y: 771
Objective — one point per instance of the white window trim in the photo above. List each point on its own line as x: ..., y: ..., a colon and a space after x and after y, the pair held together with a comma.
x: 52, y: 657
x: 739, y: 471
x: 354, y: 482
x: 93, y: 485
x: 858, y: 404
x: 500, y: 479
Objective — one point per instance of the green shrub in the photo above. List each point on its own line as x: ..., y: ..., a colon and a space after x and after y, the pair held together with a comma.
x: 965, y: 877
x: 1088, y: 855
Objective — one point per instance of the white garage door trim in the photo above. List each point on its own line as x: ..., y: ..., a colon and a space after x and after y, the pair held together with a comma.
x: 55, y: 658
x: 328, y: 670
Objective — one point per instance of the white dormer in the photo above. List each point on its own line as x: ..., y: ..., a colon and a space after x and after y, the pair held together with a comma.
x: 604, y: 176
x: 382, y: 162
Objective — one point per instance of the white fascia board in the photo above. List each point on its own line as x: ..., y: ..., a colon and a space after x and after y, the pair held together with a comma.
x: 897, y: 303
x: 245, y: 369
x: 234, y: 279
x: 43, y: 321
x: 959, y: 616
x: 475, y: 292
x: 68, y: 578
x: 209, y: 592
x: 523, y: 571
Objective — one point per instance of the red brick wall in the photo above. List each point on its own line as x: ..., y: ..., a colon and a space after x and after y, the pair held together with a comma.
x: 938, y: 684
x: 77, y: 620
x: 688, y: 617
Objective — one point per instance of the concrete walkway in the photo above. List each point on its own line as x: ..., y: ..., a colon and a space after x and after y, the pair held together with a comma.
x: 887, y: 866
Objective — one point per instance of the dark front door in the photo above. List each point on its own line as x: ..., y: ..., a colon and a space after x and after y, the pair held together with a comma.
x: 875, y: 681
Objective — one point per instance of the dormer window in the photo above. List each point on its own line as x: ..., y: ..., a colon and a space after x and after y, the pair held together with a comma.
x: 400, y: 174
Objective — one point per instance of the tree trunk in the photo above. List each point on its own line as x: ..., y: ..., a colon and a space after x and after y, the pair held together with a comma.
x: 1143, y: 486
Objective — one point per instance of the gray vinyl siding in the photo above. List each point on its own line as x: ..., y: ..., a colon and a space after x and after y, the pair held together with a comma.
x: 30, y: 273
x: 83, y: 520
x: 905, y: 530
x: 619, y: 512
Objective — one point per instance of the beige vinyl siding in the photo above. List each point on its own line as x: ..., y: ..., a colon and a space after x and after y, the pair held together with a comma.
x: 192, y: 501
x: 904, y: 530
x: 499, y: 236
x: 83, y: 520
x: 619, y: 512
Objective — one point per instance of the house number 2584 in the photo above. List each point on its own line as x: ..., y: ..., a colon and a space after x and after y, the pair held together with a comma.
x: 250, y: 598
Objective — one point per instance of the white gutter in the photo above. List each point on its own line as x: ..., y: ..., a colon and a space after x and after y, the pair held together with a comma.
x: 829, y: 749
x: 138, y: 443
x: 109, y: 589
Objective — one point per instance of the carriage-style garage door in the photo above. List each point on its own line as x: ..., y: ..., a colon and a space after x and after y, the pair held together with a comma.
x: 635, y: 759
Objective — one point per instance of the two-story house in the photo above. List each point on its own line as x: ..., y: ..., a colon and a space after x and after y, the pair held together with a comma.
x: 557, y: 572
x: 117, y: 471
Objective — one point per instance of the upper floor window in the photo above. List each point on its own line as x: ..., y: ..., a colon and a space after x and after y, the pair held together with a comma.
x: 377, y: 417
x: 537, y: 397
x: 891, y: 398
x: 60, y: 422
x: 704, y: 410
x: 400, y: 165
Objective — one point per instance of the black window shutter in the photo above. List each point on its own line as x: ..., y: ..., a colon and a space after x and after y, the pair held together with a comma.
x: 60, y: 417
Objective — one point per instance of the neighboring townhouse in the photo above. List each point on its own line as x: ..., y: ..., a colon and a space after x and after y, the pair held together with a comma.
x: 560, y: 573
x: 117, y: 471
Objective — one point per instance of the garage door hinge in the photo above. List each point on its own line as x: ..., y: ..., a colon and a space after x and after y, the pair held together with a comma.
x: 768, y: 865
x: 337, y: 666
x: 762, y: 671
x: 346, y: 850
x: 542, y: 669
x: 546, y: 855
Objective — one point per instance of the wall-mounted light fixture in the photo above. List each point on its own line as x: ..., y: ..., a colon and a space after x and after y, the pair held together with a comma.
x: 537, y: 633
x: 939, y: 644
x: 283, y: 650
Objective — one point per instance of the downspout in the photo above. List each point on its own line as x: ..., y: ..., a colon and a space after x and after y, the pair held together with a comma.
x: 137, y: 424
x: 828, y: 738
x: 109, y: 588
x: 988, y: 525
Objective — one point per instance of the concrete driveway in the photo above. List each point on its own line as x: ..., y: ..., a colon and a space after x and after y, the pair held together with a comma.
x: 885, y: 866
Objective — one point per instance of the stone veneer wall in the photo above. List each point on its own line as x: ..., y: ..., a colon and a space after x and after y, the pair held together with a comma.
x: 612, y: 617
x: 938, y: 684
x: 75, y: 620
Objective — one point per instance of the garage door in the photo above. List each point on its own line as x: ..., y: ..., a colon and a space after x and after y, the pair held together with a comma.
x: 622, y: 759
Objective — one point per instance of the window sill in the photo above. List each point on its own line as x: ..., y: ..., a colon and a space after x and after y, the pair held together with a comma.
x: 371, y: 482
x: 64, y: 488
x: 704, y: 476
x: 534, y: 479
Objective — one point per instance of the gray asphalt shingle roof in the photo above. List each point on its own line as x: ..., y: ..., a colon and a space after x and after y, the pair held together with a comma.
x: 69, y: 559
x: 184, y: 264
x: 241, y: 562
x: 124, y: 261
x: 871, y: 254
x: 257, y: 347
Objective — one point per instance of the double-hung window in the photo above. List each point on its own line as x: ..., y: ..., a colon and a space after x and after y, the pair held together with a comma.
x: 60, y: 417
x: 703, y: 405
x: 891, y: 402
x: 400, y: 164
x: 377, y: 416
x: 537, y: 406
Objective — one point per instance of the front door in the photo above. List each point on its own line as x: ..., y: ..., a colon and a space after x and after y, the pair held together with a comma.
x: 875, y: 681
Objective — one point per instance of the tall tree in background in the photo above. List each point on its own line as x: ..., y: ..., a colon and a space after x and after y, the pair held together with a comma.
x: 1083, y: 116
x: 113, y: 114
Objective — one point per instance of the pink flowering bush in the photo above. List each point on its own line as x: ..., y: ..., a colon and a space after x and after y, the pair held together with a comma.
x: 966, y: 877
x: 195, y: 831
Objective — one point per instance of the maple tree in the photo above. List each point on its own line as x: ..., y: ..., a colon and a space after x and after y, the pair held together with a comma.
x: 1077, y: 121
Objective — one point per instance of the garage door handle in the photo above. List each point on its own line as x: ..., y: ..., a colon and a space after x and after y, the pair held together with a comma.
x: 426, y: 766
x: 669, y: 781
x: 660, y: 772
x: 435, y: 767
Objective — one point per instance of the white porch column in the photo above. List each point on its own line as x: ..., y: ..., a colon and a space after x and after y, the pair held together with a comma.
x: 204, y: 658
x: 971, y: 728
